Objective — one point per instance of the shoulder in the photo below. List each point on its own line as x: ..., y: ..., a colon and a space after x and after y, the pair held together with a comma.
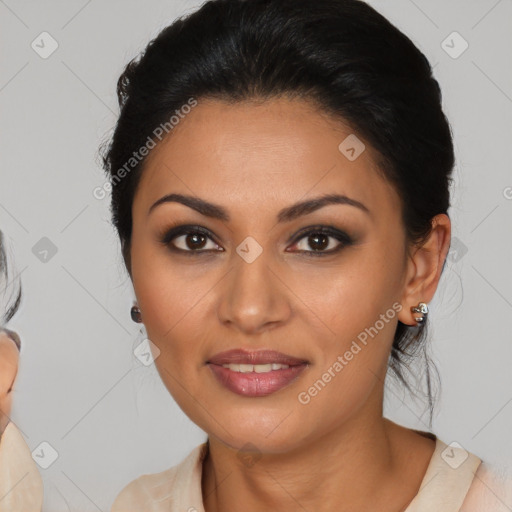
x: 145, y: 490
x: 166, y: 490
x: 490, y: 491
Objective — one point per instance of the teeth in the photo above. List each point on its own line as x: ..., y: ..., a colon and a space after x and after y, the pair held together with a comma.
x: 257, y: 368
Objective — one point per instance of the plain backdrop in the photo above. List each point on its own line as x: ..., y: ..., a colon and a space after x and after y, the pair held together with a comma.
x: 80, y: 388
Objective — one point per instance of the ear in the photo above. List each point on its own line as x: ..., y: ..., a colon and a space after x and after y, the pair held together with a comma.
x: 424, y: 266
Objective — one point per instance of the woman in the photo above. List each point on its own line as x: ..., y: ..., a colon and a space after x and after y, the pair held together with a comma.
x: 280, y: 175
x: 21, y: 487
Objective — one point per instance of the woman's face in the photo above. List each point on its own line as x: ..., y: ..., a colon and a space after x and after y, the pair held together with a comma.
x: 258, y: 281
x: 9, y: 356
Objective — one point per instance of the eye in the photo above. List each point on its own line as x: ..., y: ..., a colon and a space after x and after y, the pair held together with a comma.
x: 321, y: 238
x: 194, y: 240
x: 191, y: 239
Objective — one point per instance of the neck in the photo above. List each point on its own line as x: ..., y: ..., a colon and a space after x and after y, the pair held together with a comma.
x: 349, y: 468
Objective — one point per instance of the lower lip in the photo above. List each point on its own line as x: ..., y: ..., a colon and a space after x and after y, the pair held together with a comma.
x: 256, y: 384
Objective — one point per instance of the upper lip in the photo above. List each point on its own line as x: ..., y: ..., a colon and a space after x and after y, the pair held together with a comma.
x: 241, y: 356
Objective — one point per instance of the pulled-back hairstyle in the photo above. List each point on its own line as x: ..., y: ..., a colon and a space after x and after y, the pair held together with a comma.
x: 341, y: 54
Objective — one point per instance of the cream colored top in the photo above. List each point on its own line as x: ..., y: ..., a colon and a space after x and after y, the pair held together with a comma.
x: 445, y: 486
x: 21, y: 486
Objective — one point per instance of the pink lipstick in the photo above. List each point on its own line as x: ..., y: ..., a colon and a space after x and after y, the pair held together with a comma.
x: 255, y: 373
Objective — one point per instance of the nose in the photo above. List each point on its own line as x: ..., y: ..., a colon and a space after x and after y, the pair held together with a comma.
x: 254, y: 297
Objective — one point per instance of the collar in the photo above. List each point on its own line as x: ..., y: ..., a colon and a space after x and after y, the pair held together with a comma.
x: 21, y: 486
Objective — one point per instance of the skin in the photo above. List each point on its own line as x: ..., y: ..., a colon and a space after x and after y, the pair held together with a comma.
x: 9, y: 359
x: 255, y: 158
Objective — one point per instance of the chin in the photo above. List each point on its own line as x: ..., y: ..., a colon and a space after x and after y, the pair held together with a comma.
x: 268, y: 433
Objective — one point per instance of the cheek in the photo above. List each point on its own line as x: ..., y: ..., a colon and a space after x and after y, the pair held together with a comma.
x: 352, y: 313
x: 346, y: 298
x: 174, y: 302
x: 173, y: 319
x: 160, y: 290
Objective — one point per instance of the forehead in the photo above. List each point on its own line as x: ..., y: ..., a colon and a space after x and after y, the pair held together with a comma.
x: 253, y: 152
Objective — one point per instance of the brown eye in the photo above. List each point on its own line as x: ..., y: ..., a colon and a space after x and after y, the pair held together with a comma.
x: 189, y: 239
x: 321, y: 238
x: 194, y: 240
x: 318, y: 241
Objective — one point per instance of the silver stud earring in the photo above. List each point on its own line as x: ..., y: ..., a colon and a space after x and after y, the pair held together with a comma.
x: 421, y: 308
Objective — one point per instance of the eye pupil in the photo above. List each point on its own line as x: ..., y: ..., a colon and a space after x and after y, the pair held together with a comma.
x: 318, y: 245
x: 198, y: 240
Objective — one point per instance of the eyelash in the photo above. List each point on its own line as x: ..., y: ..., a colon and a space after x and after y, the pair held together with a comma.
x: 344, y: 239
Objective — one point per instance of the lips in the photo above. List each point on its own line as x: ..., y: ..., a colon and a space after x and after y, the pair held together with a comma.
x: 255, y: 373
x: 240, y: 356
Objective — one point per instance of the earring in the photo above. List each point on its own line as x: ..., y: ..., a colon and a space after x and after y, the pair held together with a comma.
x: 136, y: 314
x: 423, y: 309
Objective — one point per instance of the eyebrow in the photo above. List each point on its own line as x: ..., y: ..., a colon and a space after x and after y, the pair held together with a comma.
x: 285, y: 215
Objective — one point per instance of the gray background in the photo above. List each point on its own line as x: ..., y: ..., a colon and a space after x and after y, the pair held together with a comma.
x: 80, y: 388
